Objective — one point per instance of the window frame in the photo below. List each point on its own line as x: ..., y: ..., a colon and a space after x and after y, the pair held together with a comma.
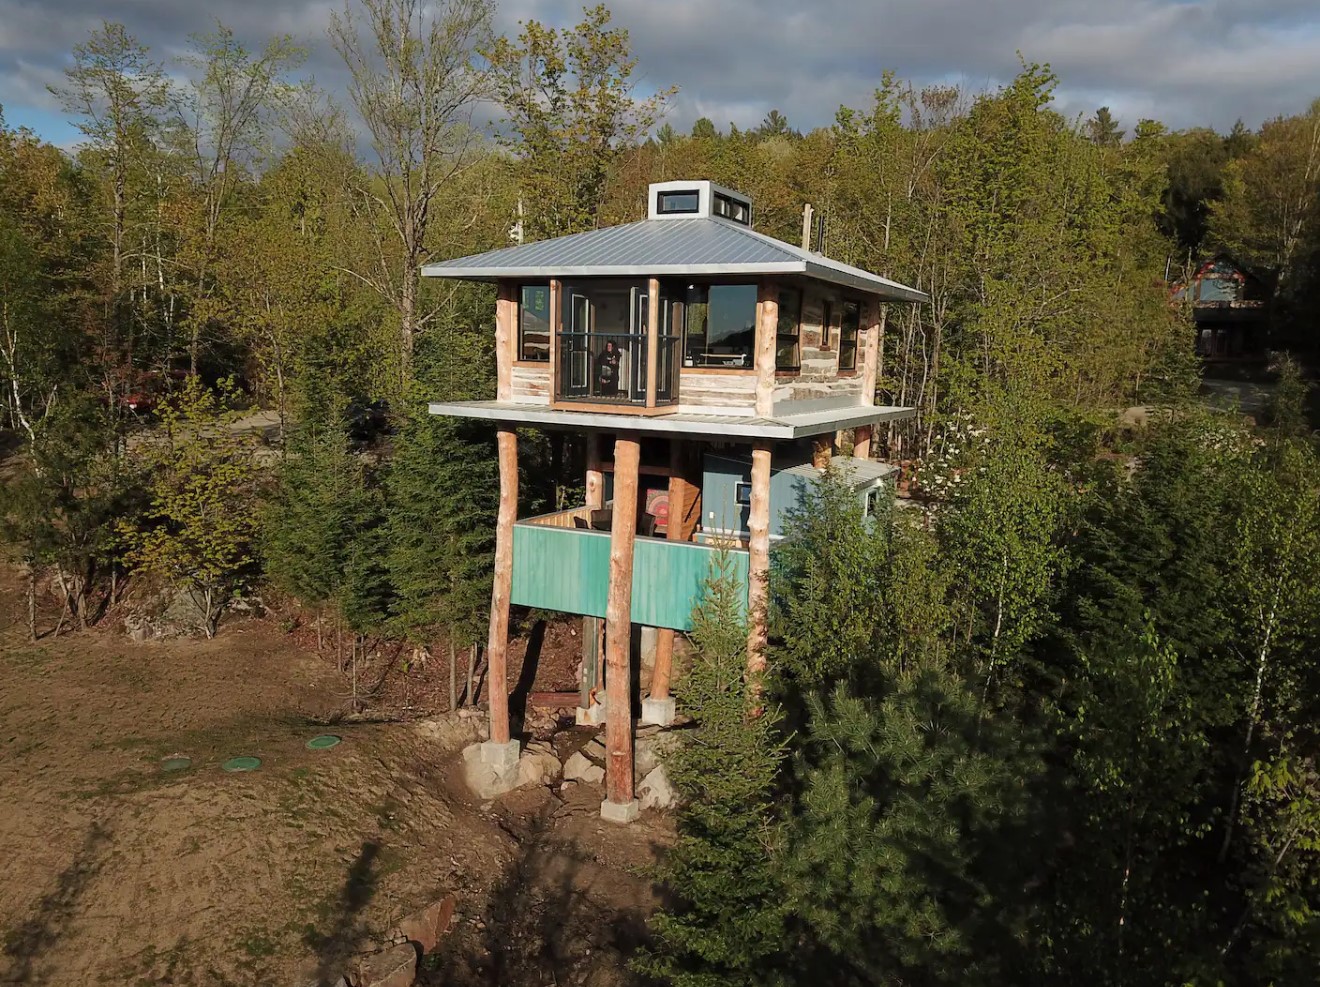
x: 795, y: 336
x: 522, y: 352
x: 665, y: 194
x: 690, y: 358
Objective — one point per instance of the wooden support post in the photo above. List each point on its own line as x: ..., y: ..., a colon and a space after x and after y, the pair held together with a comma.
x: 871, y: 351
x: 591, y: 626
x: 652, y: 339
x: 758, y: 574
x: 497, y: 648
x: 767, y: 331
x: 684, y: 511
x: 822, y: 451
x: 620, y: 805
x: 506, y: 339
x: 862, y: 441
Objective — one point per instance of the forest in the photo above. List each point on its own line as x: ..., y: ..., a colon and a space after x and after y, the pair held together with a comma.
x: 1052, y: 721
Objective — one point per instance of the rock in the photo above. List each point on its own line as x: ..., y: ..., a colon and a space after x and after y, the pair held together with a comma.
x: 393, y: 967
x: 579, y: 768
x: 450, y: 731
x: 595, y: 749
x: 537, y: 767
x: 487, y: 780
x: 655, y: 791
x: 427, y: 927
x: 650, y: 750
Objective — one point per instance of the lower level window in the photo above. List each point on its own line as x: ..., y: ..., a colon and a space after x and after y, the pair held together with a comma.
x: 788, y: 348
x: 849, y: 326
x: 534, y: 323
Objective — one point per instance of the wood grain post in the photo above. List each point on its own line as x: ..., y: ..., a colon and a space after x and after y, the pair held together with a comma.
x: 871, y: 352
x: 618, y: 626
x: 652, y: 338
x: 497, y: 647
x: 767, y: 330
x: 758, y: 569
x: 862, y: 441
x: 591, y: 626
x: 506, y: 339
x: 822, y: 451
x: 684, y: 497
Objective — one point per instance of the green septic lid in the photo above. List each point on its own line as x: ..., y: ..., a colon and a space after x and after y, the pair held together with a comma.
x: 242, y: 764
x: 176, y: 764
x: 322, y: 742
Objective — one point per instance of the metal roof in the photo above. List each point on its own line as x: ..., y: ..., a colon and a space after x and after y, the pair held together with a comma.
x: 703, y: 246
x: 782, y: 426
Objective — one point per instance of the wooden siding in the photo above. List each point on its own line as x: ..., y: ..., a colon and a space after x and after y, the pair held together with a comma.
x: 568, y: 570
x: 530, y: 384
x: 705, y: 389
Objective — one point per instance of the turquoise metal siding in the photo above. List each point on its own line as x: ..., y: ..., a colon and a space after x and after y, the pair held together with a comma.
x: 668, y: 577
x: 568, y: 570
x: 561, y: 569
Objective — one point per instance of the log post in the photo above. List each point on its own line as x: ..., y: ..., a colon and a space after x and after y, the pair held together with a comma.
x: 659, y: 708
x: 758, y: 574
x: 588, y: 707
x: 619, y: 804
x: 506, y: 338
x: 652, y: 338
x: 500, y: 749
x: 822, y: 451
x: 862, y: 441
x: 767, y: 331
x: 871, y: 351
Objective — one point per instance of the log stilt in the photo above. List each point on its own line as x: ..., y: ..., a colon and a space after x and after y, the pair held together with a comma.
x: 591, y: 626
x: 684, y: 512
x: 497, y: 648
x: 862, y: 441
x: 758, y: 575
x: 619, y: 804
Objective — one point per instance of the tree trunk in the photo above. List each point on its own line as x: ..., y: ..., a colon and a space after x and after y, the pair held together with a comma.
x: 32, y: 603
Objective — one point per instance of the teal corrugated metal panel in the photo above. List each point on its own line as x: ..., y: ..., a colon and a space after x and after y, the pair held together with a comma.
x: 561, y: 569
x: 668, y: 578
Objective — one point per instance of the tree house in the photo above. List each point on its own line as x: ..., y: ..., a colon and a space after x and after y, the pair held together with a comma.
x: 709, y: 368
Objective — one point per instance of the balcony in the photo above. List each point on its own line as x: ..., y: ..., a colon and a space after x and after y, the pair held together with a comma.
x: 560, y: 564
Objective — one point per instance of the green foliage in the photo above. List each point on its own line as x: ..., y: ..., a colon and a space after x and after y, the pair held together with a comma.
x: 726, y: 925
x: 198, y: 531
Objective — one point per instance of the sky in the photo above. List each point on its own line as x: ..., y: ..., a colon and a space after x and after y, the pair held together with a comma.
x: 1194, y: 63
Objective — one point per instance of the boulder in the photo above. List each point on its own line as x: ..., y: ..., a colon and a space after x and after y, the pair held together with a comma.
x: 650, y: 750
x: 425, y: 928
x: 538, y: 767
x: 655, y: 791
x: 393, y: 967
x: 487, y: 780
x: 580, y: 768
x: 450, y: 731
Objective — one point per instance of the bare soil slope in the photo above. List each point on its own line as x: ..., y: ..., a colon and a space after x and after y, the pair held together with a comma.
x: 115, y: 871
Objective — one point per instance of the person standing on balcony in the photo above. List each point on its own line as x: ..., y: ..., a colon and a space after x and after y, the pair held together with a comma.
x: 607, y: 371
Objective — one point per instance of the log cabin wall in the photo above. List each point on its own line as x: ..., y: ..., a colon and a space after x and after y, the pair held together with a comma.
x: 818, y: 376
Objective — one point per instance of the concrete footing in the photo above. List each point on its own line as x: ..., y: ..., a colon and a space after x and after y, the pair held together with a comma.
x: 501, y: 757
x: 659, y: 712
x: 590, y: 716
x: 620, y: 812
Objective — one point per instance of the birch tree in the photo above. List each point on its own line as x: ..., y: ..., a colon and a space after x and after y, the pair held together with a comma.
x: 415, y: 80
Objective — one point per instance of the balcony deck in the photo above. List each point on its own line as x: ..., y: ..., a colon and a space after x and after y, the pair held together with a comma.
x: 557, y: 566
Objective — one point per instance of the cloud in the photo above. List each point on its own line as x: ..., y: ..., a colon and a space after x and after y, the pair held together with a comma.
x: 1197, y: 62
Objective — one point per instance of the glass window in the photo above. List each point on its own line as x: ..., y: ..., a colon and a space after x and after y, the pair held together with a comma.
x: 826, y: 324
x: 787, y: 340
x: 721, y: 325
x: 534, y: 323
x: 668, y: 203
x: 731, y: 209
x: 602, y: 343
x: 849, y: 325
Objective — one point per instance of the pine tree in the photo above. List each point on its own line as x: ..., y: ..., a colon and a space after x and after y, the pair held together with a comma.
x: 725, y: 925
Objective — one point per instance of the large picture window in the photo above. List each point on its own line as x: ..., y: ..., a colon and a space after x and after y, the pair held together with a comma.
x: 721, y: 326
x: 788, y: 348
x: 849, y: 325
x: 534, y: 323
x: 603, y: 344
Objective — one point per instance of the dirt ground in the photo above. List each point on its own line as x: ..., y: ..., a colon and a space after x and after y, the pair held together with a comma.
x: 115, y: 871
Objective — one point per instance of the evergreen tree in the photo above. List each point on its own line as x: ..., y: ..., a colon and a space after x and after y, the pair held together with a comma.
x: 725, y: 925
